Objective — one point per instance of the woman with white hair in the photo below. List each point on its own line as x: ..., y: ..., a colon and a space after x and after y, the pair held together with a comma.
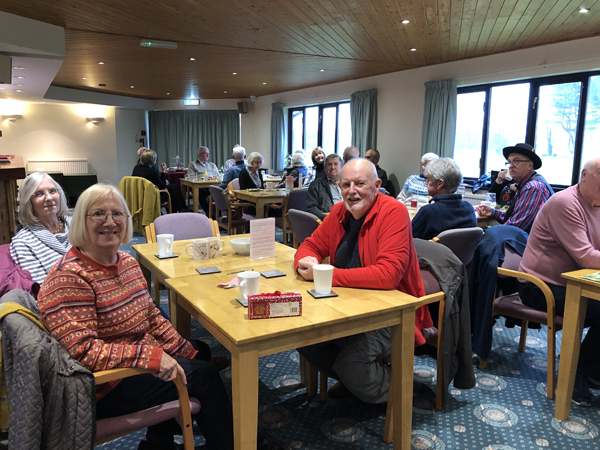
x: 446, y: 210
x: 297, y: 168
x: 43, y: 240
x: 415, y: 184
x: 251, y: 176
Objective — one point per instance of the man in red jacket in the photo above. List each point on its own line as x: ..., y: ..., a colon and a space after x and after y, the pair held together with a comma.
x: 368, y: 239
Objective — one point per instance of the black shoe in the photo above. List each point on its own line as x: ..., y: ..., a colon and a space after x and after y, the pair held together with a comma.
x: 220, y: 362
x: 338, y: 391
x: 581, y: 391
x: 271, y: 442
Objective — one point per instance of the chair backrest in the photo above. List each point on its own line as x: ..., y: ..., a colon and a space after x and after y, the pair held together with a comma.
x: 512, y: 259
x: 184, y: 226
x: 303, y: 224
x: 383, y: 191
x: 143, y: 200
x: 235, y: 184
x: 217, y: 196
x: 297, y: 199
x: 430, y: 282
x: 462, y: 242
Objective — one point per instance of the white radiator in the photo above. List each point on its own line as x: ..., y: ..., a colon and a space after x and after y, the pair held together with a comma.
x: 475, y: 199
x: 66, y: 166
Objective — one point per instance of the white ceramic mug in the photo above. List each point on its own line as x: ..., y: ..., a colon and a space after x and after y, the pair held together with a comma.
x: 269, y: 185
x: 248, y: 282
x: 323, y: 275
x: 215, y: 245
x: 165, y: 244
x: 200, y: 249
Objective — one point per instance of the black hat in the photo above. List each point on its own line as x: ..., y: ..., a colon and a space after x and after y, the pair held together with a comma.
x: 525, y: 150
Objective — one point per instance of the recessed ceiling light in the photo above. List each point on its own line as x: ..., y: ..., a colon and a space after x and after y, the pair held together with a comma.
x: 322, y: 70
x: 234, y: 73
x: 19, y: 84
x: 20, y: 78
x: 100, y: 62
x: 405, y: 21
x: 224, y: 92
x: 192, y: 59
x: 583, y: 10
x: 18, y: 90
x: 168, y: 93
x: 42, y: 102
x: 413, y: 49
x: 131, y: 87
x: 255, y: 30
x: 19, y: 67
x: 84, y: 78
x: 264, y: 83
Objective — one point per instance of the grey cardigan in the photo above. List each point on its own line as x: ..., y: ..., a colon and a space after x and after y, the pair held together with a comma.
x: 50, y: 395
x: 318, y: 198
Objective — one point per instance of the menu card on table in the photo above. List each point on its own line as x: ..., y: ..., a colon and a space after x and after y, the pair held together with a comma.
x: 262, y: 238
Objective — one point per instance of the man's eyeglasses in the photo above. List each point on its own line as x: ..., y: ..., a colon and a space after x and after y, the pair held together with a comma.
x: 42, y: 194
x: 101, y: 216
x: 515, y: 162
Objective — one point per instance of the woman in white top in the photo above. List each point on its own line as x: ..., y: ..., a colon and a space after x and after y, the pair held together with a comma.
x: 43, y: 240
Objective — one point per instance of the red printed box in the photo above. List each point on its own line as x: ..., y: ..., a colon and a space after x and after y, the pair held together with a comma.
x: 266, y: 306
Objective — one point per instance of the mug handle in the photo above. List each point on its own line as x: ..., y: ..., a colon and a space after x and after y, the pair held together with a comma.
x: 186, y: 249
x: 222, y: 245
x: 243, y: 285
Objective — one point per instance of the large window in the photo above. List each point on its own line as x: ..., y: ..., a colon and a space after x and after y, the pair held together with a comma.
x: 326, y: 126
x: 559, y: 115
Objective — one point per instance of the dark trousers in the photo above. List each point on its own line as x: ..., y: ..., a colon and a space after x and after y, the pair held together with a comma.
x: 215, y: 418
x: 589, y: 363
x: 203, y: 195
x: 177, y: 200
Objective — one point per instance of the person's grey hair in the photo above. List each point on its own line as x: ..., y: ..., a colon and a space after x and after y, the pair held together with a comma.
x: 239, y: 153
x: 589, y: 165
x: 334, y: 156
x: 253, y: 156
x: 297, y: 160
x: 202, y: 147
x: 78, y: 231
x: 142, y: 150
x: 429, y: 157
x: 350, y: 152
x: 26, y: 191
x: 445, y: 169
x: 148, y: 157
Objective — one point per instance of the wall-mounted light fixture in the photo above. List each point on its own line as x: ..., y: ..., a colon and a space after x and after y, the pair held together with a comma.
x: 12, y: 117
x: 95, y: 119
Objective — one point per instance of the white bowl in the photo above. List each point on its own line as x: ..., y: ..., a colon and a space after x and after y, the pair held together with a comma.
x: 241, y: 245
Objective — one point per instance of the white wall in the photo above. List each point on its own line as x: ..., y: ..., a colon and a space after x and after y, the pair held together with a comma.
x: 401, y: 96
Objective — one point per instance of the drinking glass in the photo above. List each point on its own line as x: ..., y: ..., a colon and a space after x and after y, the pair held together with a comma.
x: 491, y: 198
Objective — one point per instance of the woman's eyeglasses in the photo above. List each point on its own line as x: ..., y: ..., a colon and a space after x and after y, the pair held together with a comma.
x: 101, y: 216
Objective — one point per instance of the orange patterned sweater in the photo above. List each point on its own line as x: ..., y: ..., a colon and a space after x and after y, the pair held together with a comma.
x: 104, y: 316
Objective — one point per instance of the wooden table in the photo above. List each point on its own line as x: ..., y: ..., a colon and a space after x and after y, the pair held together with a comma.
x: 354, y: 311
x: 578, y: 291
x: 261, y: 198
x: 185, y: 265
x: 195, y: 186
x: 9, y: 174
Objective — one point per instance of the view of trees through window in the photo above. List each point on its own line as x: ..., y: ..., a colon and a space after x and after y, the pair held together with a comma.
x: 560, y: 116
x: 326, y: 126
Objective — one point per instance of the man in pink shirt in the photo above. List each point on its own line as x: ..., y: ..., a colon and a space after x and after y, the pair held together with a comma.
x: 566, y: 237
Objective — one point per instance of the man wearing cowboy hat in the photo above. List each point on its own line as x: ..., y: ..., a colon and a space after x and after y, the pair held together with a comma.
x: 532, y: 189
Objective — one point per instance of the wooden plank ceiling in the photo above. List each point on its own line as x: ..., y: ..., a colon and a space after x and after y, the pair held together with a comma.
x: 282, y: 45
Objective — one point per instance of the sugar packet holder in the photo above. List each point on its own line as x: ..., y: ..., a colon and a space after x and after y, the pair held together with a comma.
x: 266, y: 306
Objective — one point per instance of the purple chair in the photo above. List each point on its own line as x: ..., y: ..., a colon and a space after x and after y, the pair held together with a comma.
x: 184, y: 226
x: 302, y: 224
x: 462, y: 242
x: 225, y: 205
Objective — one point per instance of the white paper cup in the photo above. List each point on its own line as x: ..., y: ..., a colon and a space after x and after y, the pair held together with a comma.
x: 215, y: 246
x: 165, y: 244
x: 323, y: 275
x: 248, y: 282
x: 269, y: 185
x: 200, y: 249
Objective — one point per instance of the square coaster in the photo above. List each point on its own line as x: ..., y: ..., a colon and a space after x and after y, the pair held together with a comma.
x: 244, y: 303
x: 315, y: 295
x: 172, y: 255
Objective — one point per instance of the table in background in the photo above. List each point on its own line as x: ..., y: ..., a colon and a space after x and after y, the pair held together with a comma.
x: 578, y: 291
x: 354, y: 311
x: 195, y: 186
x: 174, y: 176
x: 9, y: 174
x: 261, y: 198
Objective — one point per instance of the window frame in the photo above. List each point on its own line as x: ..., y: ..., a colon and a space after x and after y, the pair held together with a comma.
x: 321, y: 107
x: 535, y: 84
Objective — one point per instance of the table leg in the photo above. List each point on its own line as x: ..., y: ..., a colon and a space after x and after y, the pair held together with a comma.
x: 244, y: 397
x: 196, y: 191
x: 180, y: 318
x: 260, y: 208
x: 210, y: 209
x: 308, y: 377
x: 403, y: 353
x: 575, y: 307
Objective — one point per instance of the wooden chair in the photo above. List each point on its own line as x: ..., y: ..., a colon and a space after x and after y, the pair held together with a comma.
x: 226, y: 206
x: 143, y: 200
x: 302, y: 224
x: 512, y: 306
x: 181, y: 409
x: 296, y: 199
x: 462, y: 242
x: 167, y: 204
x: 234, y: 185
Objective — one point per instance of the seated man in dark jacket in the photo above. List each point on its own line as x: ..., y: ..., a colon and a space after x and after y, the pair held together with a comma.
x: 446, y: 210
x: 324, y: 192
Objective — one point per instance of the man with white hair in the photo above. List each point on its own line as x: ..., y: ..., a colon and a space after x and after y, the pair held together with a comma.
x: 368, y: 239
x: 415, y: 184
x: 350, y: 153
x: 239, y: 154
x: 566, y: 237
x: 203, y: 167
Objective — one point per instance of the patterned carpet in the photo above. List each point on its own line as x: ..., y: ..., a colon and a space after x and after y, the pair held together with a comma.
x: 507, y: 410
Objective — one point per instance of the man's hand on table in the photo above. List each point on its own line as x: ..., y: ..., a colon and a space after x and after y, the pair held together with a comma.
x: 305, y: 267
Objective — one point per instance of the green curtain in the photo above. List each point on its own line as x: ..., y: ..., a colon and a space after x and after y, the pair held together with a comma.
x: 277, y: 136
x: 439, y: 118
x: 363, y: 117
x: 180, y: 133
